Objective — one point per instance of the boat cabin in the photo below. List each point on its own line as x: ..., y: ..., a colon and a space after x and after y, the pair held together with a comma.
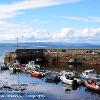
x: 89, y: 74
x: 69, y: 77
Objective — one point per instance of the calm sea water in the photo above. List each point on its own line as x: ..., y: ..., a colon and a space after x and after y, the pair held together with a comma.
x: 38, y: 89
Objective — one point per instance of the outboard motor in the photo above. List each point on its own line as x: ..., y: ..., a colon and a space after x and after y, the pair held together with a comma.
x: 74, y: 83
x: 14, y: 70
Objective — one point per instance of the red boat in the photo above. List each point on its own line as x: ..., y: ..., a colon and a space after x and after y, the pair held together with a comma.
x: 92, y: 84
x: 36, y: 74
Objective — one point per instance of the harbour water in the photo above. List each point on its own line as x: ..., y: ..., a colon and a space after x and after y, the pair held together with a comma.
x: 38, y: 89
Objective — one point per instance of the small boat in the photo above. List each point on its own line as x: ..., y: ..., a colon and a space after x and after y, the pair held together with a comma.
x: 32, y: 65
x: 67, y: 72
x: 52, y: 79
x: 92, y: 84
x: 11, y: 68
x: 89, y: 74
x: 3, y: 66
x: 69, y: 79
x: 36, y: 74
x: 74, y: 62
x: 71, y: 61
x: 15, y: 67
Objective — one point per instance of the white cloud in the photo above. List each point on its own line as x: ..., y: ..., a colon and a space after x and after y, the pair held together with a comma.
x: 13, y: 9
x: 35, y: 21
x: 64, y: 35
x: 84, y: 19
x: 10, y: 31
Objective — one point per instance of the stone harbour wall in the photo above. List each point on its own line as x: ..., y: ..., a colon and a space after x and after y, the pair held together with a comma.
x: 54, y: 55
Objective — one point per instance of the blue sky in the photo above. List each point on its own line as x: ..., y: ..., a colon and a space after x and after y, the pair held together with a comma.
x: 50, y: 20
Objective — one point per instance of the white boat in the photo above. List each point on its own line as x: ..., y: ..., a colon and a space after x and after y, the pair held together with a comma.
x: 69, y: 79
x: 89, y: 74
x: 67, y: 73
x: 3, y: 66
x: 16, y: 62
x: 74, y: 62
x: 14, y: 67
x: 32, y: 65
x: 71, y: 61
x: 11, y: 68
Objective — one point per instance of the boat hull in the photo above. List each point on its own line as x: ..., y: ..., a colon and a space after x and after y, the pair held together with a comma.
x: 52, y: 79
x: 68, y: 81
x: 92, y: 86
x: 36, y: 75
x: 74, y: 63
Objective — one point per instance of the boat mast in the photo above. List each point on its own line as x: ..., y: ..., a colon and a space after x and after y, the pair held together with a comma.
x: 18, y: 72
x: 17, y: 42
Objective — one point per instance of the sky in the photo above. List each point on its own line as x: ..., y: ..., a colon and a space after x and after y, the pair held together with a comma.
x: 67, y: 21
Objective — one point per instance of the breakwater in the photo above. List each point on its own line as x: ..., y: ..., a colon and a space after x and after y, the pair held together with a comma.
x: 57, y: 56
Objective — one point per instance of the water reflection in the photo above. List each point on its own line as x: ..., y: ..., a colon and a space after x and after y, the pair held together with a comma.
x: 71, y: 66
x: 56, y: 81
x: 93, y: 92
x: 77, y: 68
x: 68, y: 87
x: 46, y: 90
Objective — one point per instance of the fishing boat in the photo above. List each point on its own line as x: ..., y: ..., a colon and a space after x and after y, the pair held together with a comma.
x: 15, y: 67
x: 52, y: 79
x: 92, y: 84
x: 71, y: 61
x: 3, y: 66
x: 32, y: 65
x: 74, y: 62
x: 11, y: 68
x: 89, y: 74
x: 69, y: 73
x: 69, y: 79
x: 36, y: 74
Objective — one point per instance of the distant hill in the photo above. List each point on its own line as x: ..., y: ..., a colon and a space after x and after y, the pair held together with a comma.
x: 50, y: 45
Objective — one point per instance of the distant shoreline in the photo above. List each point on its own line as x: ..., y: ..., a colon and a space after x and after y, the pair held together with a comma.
x: 51, y: 45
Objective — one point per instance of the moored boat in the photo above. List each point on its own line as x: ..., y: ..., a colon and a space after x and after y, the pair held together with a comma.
x: 88, y: 74
x: 92, y: 84
x: 74, y: 62
x: 52, y: 79
x: 3, y: 66
x: 71, y: 61
x: 36, y: 74
x: 32, y: 65
x: 69, y: 79
x: 67, y: 73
